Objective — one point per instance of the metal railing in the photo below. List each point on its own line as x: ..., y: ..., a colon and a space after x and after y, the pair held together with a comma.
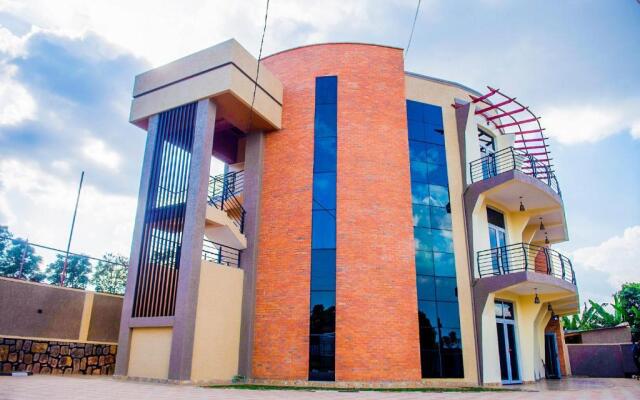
x: 221, y: 254
x: 223, y: 191
x: 512, y: 159
x: 524, y: 257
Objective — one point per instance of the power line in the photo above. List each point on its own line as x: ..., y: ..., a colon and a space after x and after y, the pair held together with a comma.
x: 255, y: 86
x: 413, y: 27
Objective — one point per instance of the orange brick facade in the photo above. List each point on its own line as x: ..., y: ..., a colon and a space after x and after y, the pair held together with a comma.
x: 376, y: 304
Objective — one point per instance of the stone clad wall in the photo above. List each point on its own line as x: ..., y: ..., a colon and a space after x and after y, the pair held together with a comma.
x: 57, y: 358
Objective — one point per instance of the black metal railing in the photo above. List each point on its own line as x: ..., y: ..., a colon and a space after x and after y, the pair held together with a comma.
x: 512, y: 159
x: 223, y: 191
x: 524, y: 257
x: 221, y: 254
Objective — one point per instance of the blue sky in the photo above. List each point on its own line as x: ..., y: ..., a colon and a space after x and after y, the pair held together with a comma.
x: 67, y: 67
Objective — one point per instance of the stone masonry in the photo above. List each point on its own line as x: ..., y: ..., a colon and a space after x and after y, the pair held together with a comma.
x: 56, y: 358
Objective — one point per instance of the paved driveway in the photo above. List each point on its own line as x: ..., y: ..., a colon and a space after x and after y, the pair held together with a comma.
x: 102, y: 388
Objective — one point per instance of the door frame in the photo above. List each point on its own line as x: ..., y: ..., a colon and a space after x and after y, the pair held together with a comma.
x: 516, y: 346
x: 557, y: 355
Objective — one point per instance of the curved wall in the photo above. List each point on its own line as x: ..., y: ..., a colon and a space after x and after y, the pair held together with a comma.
x: 376, y: 306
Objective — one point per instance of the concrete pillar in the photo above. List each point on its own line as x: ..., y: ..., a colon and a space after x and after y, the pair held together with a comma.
x: 253, y: 166
x: 124, y: 339
x: 191, y: 251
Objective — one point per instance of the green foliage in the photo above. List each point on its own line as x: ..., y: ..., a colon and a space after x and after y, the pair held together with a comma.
x: 18, y: 258
x: 110, y: 275
x: 625, y: 308
x: 77, y: 273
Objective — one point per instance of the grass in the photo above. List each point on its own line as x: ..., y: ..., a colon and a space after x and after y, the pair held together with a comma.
x: 340, y: 389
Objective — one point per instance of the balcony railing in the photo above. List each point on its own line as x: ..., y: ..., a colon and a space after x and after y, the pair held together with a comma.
x: 223, y: 191
x: 221, y: 254
x: 524, y: 257
x: 512, y: 159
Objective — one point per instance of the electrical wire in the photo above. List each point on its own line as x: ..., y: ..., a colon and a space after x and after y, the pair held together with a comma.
x: 413, y: 27
x: 255, y: 86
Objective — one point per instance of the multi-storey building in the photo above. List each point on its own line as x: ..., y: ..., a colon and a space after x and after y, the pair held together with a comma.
x: 372, y: 225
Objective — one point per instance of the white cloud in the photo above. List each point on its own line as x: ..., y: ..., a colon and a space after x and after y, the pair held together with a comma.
x: 589, y: 123
x: 16, y: 103
x: 41, y: 205
x: 97, y: 151
x: 618, y: 257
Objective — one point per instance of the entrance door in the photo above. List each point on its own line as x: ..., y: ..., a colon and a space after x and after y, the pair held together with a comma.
x: 552, y: 364
x: 487, y: 151
x: 498, y: 242
x: 507, y: 344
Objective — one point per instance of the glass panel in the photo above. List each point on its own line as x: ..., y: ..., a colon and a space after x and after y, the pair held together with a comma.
x: 438, y: 195
x: 419, y: 193
x: 324, y: 191
x: 323, y: 269
x: 325, y: 120
x: 426, y: 287
x: 416, y: 130
x: 434, y: 134
x: 322, y: 349
x: 432, y: 114
x: 422, y: 238
x: 508, y: 310
x: 495, y: 218
x: 440, y: 218
x: 513, y: 359
x: 419, y: 171
x: 444, y: 264
x: 324, y: 159
x: 498, y: 309
x: 424, y: 262
x: 427, y: 315
x: 435, y: 154
x: 448, y: 313
x: 323, y: 310
x: 421, y: 216
x: 438, y: 174
x: 418, y: 151
x: 326, y: 90
x: 446, y: 289
x: 323, y: 230
x: 502, y: 352
x: 414, y: 111
x: 442, y: 241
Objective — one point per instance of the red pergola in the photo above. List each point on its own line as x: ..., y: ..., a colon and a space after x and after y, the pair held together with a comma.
x: 509, y: 116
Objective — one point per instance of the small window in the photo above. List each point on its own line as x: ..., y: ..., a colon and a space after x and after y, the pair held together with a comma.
x: 495, y: 218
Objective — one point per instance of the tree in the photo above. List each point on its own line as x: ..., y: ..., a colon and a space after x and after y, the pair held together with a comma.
x: 630, y: 302
x: 110, y: 274
x: 18, y: 259
x: 77, y: 273
x: 5, y: 239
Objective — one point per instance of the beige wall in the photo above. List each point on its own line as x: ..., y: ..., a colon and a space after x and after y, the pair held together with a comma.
x: 217, y: 330
x: 443, y: 95
x: 37, y: 310
x: 149, y: 352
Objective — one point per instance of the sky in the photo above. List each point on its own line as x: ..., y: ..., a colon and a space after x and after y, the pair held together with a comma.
x: 67, y: 69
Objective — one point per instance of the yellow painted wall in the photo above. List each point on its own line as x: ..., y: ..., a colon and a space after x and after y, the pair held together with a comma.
x: 217, y: 330
x: 443, y: 95
x: 149, y: 352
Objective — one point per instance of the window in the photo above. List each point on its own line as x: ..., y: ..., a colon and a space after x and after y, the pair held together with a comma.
x: 322, y: 313
x: 438, y: 311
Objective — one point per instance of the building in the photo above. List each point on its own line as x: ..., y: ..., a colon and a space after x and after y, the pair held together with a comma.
x: 373, y: 225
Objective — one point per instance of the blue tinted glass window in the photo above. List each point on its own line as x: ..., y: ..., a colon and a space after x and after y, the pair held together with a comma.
x: 444, y: 264
x: 323, y: 269
x: 421, y: 216
x: 440, y: 218
x: 442, y: 241
x: 426, y: 287
x: 323, y: 232
x: 324, y: 159
x: 446, y: 289
x: 439, y: 319
x: 438, y: 195
x: 424, y: 263
x: 324, y: 191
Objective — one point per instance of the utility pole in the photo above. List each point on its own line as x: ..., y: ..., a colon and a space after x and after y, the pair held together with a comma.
x: 73, y: 223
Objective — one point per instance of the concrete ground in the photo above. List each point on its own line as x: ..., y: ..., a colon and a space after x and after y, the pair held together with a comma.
x: 99, y: 388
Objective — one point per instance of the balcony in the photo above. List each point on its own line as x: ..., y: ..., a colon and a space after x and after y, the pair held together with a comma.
x: 510, y: 159
x: 523, y: 257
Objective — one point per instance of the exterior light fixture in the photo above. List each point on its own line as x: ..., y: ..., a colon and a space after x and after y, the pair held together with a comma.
x: 546, y: 238
x: 536, y: 300
x: 521, y: 205
x: 541, y: 224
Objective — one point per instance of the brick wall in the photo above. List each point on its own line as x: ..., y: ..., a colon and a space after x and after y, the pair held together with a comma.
x: 376, y: 311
